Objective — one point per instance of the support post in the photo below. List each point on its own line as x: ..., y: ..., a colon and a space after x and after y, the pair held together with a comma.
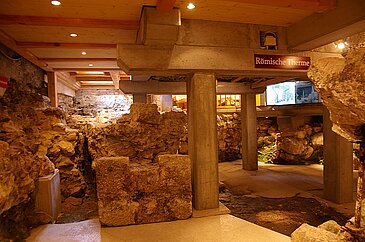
x: 202, y: 131
x: 52, y: 88
x: 139, y: 98
x: 249, y: 132
x: 338, y: 164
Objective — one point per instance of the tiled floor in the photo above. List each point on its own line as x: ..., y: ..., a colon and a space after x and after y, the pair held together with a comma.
x: 213, y: 229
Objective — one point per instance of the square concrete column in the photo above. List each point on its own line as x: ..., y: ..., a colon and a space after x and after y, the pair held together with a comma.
x: 338, y: 164
x: 203, y: 148
x: 52, y: 88
x: 249, y: 132
x: 139, y: 98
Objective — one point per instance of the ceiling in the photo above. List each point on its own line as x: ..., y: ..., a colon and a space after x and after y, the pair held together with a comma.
x: 40, y: 31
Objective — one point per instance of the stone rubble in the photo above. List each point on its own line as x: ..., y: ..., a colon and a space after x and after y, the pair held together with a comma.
x: 141, y: 135
x: 302, y: 145
x: 326, y: 232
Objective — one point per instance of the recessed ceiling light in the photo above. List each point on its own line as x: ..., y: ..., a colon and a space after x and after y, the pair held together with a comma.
x: 83, y: 53
x: 73, y: 35
x: 91, y: 65
x: 56, y: 3
x: 341, y: 45
x: 190, y: 6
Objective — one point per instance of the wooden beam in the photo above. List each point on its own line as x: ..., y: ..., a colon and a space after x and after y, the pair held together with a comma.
x: 238, y: 79
x: 11, y: 44
x: 66, y: 45
x: 76, y: 59
x: 311, y: 5
x: 97, y: 83
x: 68, y: 22
x: 52, y: 88
x: 97, y: 87
x: 271, y: 82
x: 68, y: 80
x: 100, y: 78
x: 88, y: 75
x: 87, y: 69
x: 165, y: 5
x: 116, y: 78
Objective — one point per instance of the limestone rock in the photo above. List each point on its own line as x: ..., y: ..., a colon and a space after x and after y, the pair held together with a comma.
x: 140, y: 141
x: 341, y: 84
x: 317, y: 139
x: 131, y: 193
x: 294, y: 146
x: 331, y: 226
x: 66, y: 147
x: 307, y: 233
x: 145, y: 113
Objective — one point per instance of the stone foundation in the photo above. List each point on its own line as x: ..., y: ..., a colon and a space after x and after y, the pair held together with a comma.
x: 131, y: 193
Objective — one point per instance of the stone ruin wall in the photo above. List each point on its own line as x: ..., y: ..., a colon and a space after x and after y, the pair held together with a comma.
x: 288, y: 146
x: 99, y: 105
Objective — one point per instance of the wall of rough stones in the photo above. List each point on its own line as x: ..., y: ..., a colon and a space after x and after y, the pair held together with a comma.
x: 34, y: 140
x: 101, y: 104
x: 288, y: 146
x: 66, y: 103
x: 141, y: 135
x: 20, y: 162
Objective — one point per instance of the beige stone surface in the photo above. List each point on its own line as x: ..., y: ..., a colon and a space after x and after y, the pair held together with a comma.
x: 341, y: 85
x: 141, y: 136
x: 223, y: 228
x: 133, y: 193
x: 307, y: 233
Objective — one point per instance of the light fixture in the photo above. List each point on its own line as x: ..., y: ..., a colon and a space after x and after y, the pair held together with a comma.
x: 73, y: 35
x: 190, y: 6
x: 83, y: 53
x: 91, y: 65
x: 56, y: 3
x: 341, y: 45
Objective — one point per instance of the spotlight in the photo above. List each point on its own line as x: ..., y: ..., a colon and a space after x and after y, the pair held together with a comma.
x: 341, y: 45
x: 73, y: 35
x: 56, y: 3
x: 83, y: 53
x: 190, y: 6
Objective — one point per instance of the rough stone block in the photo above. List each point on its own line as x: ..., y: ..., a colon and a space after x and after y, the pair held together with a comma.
x: 145, y: 113
x: 143, y: 193
x: 307, y: 233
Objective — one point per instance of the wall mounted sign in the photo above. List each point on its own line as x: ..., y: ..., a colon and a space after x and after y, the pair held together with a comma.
x: 268, y: 40
x: 282, y: 62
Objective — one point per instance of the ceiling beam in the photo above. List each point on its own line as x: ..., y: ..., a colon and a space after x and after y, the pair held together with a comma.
x: 68, y: 22
x: 321, y: 29
x: 76, y: 59
x: 311, y: 5
x: 271, y: 82
x: 66, y: 45
x: 87, y: 75
x: 116, y: 78
x: 165, y: 5
x: 11, y: 44
x: 237, y: 79
x: 100, y: 78
x: 105, y: 69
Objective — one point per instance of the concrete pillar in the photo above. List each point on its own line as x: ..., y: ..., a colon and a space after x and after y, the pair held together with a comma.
x: 139, y: 98
x: 249, y: 132
x: 52, y: 88
x: 203, y: 148
x: 338, y: 164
